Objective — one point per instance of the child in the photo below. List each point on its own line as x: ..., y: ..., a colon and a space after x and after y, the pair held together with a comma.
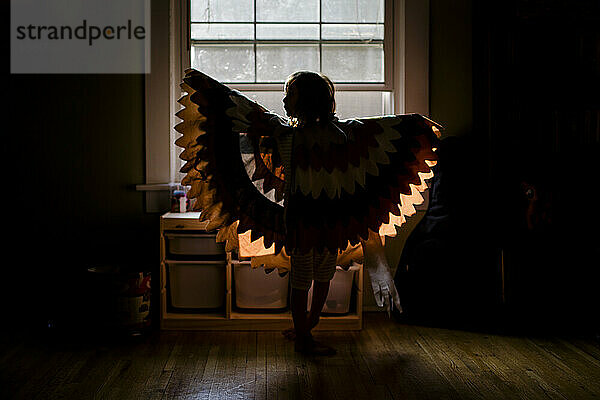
x: 324, y: 189
x: 309, y: 103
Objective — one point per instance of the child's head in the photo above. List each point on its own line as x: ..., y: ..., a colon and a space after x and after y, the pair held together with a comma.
x: 309, y: 98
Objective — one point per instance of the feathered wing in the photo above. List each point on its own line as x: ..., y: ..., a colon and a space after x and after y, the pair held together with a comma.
x: 366, y: 175
x: 232, y: 164
x: 367, y: 178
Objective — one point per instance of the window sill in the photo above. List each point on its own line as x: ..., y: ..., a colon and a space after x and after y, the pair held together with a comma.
x: 157, y: 196
x: 154, y: 187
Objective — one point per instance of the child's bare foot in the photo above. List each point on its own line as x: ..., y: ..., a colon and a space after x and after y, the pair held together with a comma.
x: 309, y: 346
x: 290, y: 333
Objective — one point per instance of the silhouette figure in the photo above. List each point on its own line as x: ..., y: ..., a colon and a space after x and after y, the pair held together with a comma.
x: 305, y: 193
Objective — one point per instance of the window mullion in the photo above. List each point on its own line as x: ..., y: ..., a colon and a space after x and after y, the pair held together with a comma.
x: 321, y: 36
x: 254, y: 46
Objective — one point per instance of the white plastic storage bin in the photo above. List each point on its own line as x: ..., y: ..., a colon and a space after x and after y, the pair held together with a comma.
x: 256, y: 289
x: 197, y: 284
x: 188, y: 244
x: 340, y: 291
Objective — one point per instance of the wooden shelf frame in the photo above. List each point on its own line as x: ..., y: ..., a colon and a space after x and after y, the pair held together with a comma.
x: 232, y: 318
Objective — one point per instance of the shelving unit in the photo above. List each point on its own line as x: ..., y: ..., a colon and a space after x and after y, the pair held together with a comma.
x: 230, y: 318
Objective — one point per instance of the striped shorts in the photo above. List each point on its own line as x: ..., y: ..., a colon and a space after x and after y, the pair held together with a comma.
x: 310, y: 266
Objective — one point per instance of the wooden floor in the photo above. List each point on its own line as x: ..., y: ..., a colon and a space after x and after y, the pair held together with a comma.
x: 386, y: 360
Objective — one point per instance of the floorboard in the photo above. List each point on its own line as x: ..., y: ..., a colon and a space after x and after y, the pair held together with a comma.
x: 386, y: 360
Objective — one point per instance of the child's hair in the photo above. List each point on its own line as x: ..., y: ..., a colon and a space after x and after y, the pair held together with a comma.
x: 316, y: 102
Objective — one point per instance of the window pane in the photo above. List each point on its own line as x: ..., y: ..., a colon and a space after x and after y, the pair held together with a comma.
x: 222, y: 11
x: 352, y: 31
x: 226, y: 63
x: 349, y: 104
x: 361, y: 104
x: 287, y: 31
x: 222, y: 31
x: 272, y: 101
x: 353, y: 62
x: 287, y: 10
x: 276, y: 62
x: 353, y: 10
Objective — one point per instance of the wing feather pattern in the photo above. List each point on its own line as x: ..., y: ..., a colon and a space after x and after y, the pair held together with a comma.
x: 215, y: 120
x: 370, y: 181
x: 362, y: 175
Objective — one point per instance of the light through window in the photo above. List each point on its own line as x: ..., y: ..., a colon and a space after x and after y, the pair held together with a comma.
x: 264, y: 41
x: 254, y: 45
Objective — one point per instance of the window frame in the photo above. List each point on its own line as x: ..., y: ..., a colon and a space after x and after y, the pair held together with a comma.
x: 407, y: 77
x: 388, y: 53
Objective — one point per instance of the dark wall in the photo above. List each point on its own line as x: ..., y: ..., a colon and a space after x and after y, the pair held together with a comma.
x: 539, y: 103
x: 76, y: 150
x: 448, y: 271
x: 451, y: 65
x: 507, y: 233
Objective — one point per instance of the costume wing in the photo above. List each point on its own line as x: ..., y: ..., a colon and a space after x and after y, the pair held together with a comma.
x: 367, y: 176
x: 360, y: 175
x: 233, y: 167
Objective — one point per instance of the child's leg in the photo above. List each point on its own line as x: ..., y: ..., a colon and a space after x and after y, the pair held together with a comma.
x: 323, y: 269
x: 298, y: 306
x: 301, y: 276
x: 324, y: 265
x: 305, y: 267
x: 320, y: 291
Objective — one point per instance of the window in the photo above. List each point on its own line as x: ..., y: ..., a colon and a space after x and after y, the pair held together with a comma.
x: 254, y: 45
x: 328, y: 31
x: 266, y: 40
